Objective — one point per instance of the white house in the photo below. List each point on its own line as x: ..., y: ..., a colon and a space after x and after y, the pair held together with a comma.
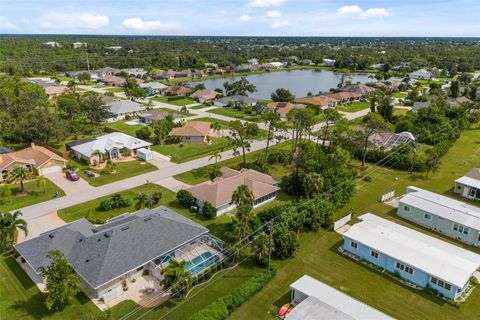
x: 421, y: 74
x: 469, y: 185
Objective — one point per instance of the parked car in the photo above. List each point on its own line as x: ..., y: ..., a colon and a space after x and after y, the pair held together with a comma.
x: 72, y: 176
x: 90, y: 174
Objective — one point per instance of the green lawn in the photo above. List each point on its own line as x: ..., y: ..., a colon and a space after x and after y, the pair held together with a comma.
x: 201, y: 174
x: 232, y: 113
x: 123, y: 170
x: 178, y: 111
x: 179, y: 102
x: 354, y: 107
x: 399, y: 112
x: 223, y: 124
x: 183, y: 152
x: 35, y: 196
x: 125, y: 128
x: 114, y: 89
x: 201, y: 106
x: 399, y: 95
x: 318, y: 256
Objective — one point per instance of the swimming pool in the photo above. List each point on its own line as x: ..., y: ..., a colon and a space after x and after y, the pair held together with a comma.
x: 201, y: 262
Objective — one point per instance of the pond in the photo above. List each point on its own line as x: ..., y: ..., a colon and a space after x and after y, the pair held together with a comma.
x: 299, y: 82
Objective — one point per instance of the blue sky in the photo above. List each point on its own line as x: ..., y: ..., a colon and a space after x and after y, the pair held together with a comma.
x: 243, y: 17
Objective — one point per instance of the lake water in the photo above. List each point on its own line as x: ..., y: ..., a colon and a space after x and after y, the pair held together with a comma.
x: 299, y: 82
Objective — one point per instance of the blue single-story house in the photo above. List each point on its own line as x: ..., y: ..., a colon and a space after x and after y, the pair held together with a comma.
x: 417, y: 258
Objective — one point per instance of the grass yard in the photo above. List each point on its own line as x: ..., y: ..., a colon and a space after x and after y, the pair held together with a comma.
x: 123, y: 170
x: 232, y: 113
x: 178, y: 111
x: 183, y: 152
x: 180, y: 102
x: 354, y: 107
x: 318, y: 255
x: 201, y: 174
x: 399, y: 95
x: 36, y: 196
x: 122, y: 126
x: 114, y: 89
x: 200, y: 106
x: 400, y: 112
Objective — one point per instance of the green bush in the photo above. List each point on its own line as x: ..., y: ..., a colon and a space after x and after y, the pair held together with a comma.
x: 223, y: 307
x: 143, y: 133
x: 185, y: 198
x: 105, y: 205
x: 208, y: 210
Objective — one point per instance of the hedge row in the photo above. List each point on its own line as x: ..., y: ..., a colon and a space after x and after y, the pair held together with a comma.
x: 221, y: 308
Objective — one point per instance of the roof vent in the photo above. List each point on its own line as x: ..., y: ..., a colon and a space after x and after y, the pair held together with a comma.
x: 125, y: 228
x: 87, y: 260
x: 106, y: 235
x: 147, y: 219
x: 81, y: 240
x: 98, y: 240
x: 51, y: 236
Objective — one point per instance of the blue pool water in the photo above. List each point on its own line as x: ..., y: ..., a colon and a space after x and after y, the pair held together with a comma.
x: 201, y: 262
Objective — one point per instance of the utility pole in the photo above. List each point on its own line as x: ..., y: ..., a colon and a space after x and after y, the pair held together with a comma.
x: 270, y: 229
x: 86, y: 58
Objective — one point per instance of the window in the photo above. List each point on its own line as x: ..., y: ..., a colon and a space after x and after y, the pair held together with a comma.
x: 406, y: 208
x: 374, y: 254
x: 460, y: 229
x: 427, y: 216
x: 441, y: 283
x: 353, y: 244
x: 407, y: 269
x: 459, y: 187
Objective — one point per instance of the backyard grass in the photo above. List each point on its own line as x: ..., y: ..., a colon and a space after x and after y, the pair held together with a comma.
x: 123, y: 170
x: 122, y: 126
x: 200, y: 106
x: 354, y: 107
x: 201, y: 174
x: 232, y: 113
x: 183, y: 152
x: 36, y: 195
x: 179, y: 102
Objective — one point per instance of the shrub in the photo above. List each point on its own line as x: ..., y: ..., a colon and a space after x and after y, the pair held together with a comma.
x: 367, y: 179
x: 208, y: 210
x: 143, y: 133
x: 105, y: 205
x: 474, y: 281
x: 224, y: 306
x: 185, y: 198
x: 173, y: 98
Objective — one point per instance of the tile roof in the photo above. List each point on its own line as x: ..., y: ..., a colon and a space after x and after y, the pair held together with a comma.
x: 344, y: 95
x: 360, y: 88
x: 56, y: 90
x: 192, y: 129
x: 317, y: 100
x: 283, y: 107
x: 205, y: 94
x: 177, y: 90
x: 431, y: 255
x: 33, y: 155
x: 219, y: 192
x: 104, y: 253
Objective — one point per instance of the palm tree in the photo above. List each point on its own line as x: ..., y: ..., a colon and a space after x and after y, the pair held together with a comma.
x: 9, y: 222
x: 313, y: 184
x: 41, y: 183
x: 271, y: 120
x: 144, y: 201
x: 117, y: 200
x: 6, y: 193
x: 175, y: 275
x: 432, y: 162
x: 262, y: 243
x: 243, y: 196
x: 215, y: 126
x: 99, y: 154
x: 215, y: 155
x: 111, y: 166
x: 20, y: 174
x: 71, y: 85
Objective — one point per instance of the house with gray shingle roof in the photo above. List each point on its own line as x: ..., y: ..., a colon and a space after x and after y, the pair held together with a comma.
x: 235, y: 99
x: 121, y: 108
x: 109, y: 256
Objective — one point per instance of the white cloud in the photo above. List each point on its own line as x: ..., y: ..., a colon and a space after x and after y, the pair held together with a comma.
x: 369, y: 13
x: 274, y: 14
x: 375, y: 12
x: 265, y: 3
x: 72, y: 21
x: 349, y: 9
x: 280, y: 24
x: 245, y: 17
x: 138, y: 24
x: 6, y: 25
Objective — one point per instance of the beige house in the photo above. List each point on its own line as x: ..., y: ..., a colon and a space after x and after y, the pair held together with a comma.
x: 55, y: 91
x: 204, y: 95
x: 321, y: 101
x: 344, y: 97
x: 193, y: 132
x: 37, y: 159
x: 219, y: 192
x: 283, y: 108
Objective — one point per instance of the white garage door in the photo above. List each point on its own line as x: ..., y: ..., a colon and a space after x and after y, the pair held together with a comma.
x: 51, y: 169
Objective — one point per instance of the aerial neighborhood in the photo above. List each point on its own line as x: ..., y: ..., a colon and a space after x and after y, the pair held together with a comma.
x: 258, y: 179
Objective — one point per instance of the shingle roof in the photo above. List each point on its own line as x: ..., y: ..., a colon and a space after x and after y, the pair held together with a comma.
x: 33, y: 155
x: 155, y: 115
x: 283, y: 107
x: 237, y: 98
x: 360, y: 88
x: 431, y: 255
x: 317, y: 100
x: 125, y: 106
x: 219, y: 192
x: 192, y: 129
x: 205, y: 94
x: 343, y: 95
x: 101, y: 254
x: 445, y: 207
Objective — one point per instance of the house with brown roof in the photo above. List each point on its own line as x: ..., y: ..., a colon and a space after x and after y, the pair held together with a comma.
x: 283, y: 108
x: 321, y: 101
x: 39, y: 160
x: 219, y: 191
x: 204, y: 95
x: 344, y: 97
x: 55, y: 91
x: 114, y: 80
x: 193, y: 132
x: 361, y: 89
x: 457, y: 102
x: 176, y: 91
x: 154, y: 115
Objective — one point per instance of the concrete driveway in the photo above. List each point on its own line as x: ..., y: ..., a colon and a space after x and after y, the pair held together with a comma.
x: 40, y: 225
x: 172, y: 184
x: 69, y: 187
